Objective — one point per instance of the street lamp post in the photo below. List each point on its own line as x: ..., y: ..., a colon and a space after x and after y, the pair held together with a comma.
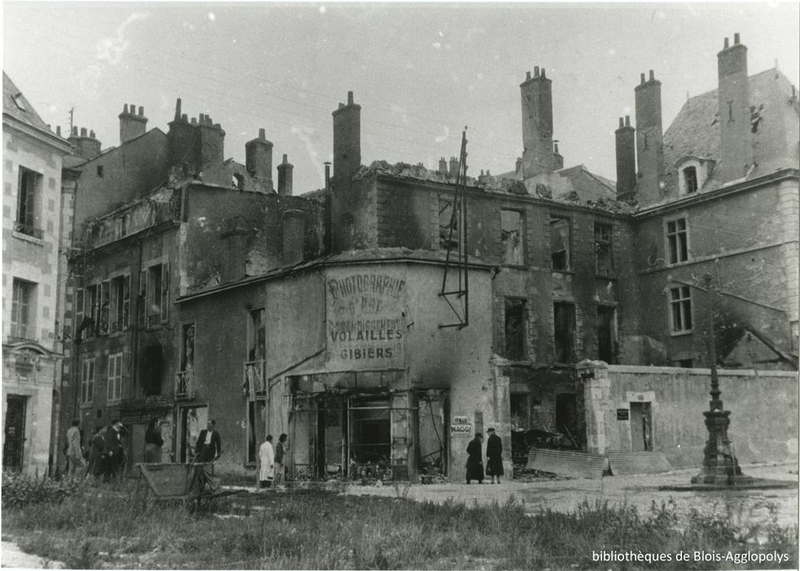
x: 720, y: 466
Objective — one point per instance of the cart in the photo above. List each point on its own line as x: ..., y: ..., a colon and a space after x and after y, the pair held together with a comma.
x: 193, y: 484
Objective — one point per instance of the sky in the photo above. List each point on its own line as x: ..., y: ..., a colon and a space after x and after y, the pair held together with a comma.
x: 421, y: 72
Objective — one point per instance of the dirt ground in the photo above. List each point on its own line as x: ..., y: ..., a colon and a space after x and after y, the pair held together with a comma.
x: 746, y: 506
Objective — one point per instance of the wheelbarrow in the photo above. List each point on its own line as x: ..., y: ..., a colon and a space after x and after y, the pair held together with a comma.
x: 194, y: 484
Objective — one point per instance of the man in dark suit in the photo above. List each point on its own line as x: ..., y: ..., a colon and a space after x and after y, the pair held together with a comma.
x: 209, y: 444
x: 114, y: 452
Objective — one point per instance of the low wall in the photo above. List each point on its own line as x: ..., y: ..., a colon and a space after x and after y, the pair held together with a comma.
x: 763, y: 405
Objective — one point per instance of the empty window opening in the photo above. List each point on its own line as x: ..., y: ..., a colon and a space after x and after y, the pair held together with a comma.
x: 690, y: 179
x: 604, y: 259
x: 100, y: 171
x: 511, y: 237
x: 154, y: 291
x: 120, y: 303
x: 560, y: 243
x: 677, y: 240
x: 516, y: 316
x: 256, y: 351
x: 152, y: 369
x: 520, y: 410
x: 681, y: 309
x: 431, y: 433
x: 564, y: 335
x: 606, y: 334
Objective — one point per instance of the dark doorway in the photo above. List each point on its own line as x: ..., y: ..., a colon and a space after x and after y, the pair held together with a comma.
x: 13, y: 447
x: 329, y: 451
x: 564, y: 324
x: 567, y: 416
x: 641, y: 427
x: 152, y: 369
x: 370, y: 435
x: 606, y: 336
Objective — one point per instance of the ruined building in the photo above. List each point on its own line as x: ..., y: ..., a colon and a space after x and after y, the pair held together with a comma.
x: 384, y: 319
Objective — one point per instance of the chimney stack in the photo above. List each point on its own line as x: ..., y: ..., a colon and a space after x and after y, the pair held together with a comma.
x: 285, y: 172
x: 258, y: 160
x: 85, y: 144
x: 453, y: 167
x: 131, y: 125
x: 346, y: 141
x: 537, y: 124
x: 443, y: 166
x: 197, y: 146
x: 649, y: 140
x: 626, y: 157
x: 736, y: 144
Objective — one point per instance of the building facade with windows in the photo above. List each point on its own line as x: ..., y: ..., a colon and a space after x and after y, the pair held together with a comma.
x: 339, y: 317
x: 32, y: 348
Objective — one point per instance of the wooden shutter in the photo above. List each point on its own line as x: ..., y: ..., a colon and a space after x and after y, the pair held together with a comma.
x: 126, y: 302
x: 164, y: 292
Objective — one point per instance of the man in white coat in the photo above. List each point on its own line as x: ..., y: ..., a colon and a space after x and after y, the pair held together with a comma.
x: 266, y: 463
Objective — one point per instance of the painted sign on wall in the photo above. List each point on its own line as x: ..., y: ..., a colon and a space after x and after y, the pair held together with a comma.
x: 366, y: 328
x: 460, y: 426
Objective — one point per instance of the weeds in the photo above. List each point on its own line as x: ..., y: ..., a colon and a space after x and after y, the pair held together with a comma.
x: 315, y: 529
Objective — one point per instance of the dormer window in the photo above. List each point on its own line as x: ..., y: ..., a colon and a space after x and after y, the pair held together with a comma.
x: 690, y: 179
x: 693, y: 172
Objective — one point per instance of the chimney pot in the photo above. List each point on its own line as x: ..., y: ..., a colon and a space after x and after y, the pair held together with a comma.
x: 178, y: 114
x: 141, y: 110
x: 285, y: 159
x: 621, y: 124
x: 91, y: 134
x: 543, y: 75
x: 349, y: 97
x: 58, y: 130
x: 262, y: 134
x: 736, y: 38
x: 527, y: 75
x: 83, y: 131
x: 184, y: 118
x: 133, y: 109
x: 75, y: 131
x: 536, y: 71
x: 627, y: 120
x: 194, y: 120
x: 125, y: 108
x: 642, y: 78
x: 652, y: 75
x: 727, y: 45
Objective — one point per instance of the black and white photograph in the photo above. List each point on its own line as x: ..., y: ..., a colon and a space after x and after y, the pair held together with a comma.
x: 432, y: 285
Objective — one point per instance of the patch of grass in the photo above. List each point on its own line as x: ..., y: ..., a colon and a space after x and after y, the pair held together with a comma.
x: 313, y: 529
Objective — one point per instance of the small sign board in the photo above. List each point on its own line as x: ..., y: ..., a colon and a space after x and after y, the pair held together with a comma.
x: 623, y: 414
x: 460, y: 425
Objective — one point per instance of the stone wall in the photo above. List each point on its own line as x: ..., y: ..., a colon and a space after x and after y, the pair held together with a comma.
x: 763, y: 407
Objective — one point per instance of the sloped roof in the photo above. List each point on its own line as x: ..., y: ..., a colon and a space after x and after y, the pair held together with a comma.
x: 17, y: 105
x: 696, y: 131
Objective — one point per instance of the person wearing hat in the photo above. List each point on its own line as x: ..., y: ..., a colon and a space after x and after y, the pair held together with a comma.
x: 475, y: 459
x: 494, y: 456
x: 114, y: 453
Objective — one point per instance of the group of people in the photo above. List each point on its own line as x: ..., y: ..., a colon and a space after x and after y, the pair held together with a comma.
x: 494, y: 458
x: 271, y: 461
x: 103, y: 459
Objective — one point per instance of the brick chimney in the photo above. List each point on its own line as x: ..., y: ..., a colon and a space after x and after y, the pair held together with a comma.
x: 626, y: 157
x: 346, y: 141
x: 649, y: 140
x: 453, y: 168
x: 443, y: 166
x: 258, y: 160
x: 197, y: 145
x: 736, y: 145
x: 285, y: 174
x: 85, y: 144
x: 537, y: 125
x: 131, y: 125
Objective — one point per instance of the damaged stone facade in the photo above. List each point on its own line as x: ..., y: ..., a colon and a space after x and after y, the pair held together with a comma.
x: 322, y: 316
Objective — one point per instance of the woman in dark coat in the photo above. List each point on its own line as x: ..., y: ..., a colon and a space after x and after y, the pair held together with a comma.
x: 153, y: 442
x: 494, y: 456
x: 475, y: 459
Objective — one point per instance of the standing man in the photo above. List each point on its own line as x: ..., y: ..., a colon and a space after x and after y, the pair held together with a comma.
x: 114, y: 450
x: 494, y: 456
x: 209, y: 443
x: 280, y: 454
x: 475, y: 459
x: 74, y: 452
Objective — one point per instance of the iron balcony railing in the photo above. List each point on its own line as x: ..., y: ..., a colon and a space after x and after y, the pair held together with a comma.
x: 184, y: 384
x: 255, y: 381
